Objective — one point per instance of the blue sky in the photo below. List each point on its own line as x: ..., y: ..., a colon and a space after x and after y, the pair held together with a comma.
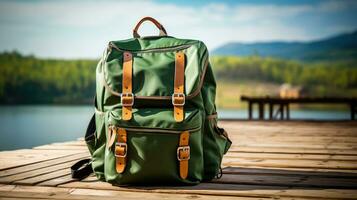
x: 81, y: 29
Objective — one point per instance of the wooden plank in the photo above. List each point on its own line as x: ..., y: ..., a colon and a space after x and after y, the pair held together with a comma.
x: 274, y: 179
x: 37, y: 174
x: 37, y: 179
x: 228, y: 190
x: 22, y: 198
x: 80, y: 194
x: 63, y: 148
x: 300, y: 128
x: 297, y: 145
x: 288, y: 172
x: 277, y: 129
x: 312, y: 140
x: 292, y: 180
x: 269, y: 173
x: 296, y: 169
x: 326, y: 164
x: 44, y: 177
x: 42, y: 164
x: 11, y: 159
x: 265, y: 149
x: 70, y: 143
x: 292, y: 139
x: 291, y: 156
x: 58, y: 181
x: 41, y: 192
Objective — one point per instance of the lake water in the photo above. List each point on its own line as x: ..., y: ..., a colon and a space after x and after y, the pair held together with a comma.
x: 29, y: 126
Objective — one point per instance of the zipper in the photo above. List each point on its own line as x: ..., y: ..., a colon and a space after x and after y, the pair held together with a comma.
x: 154, y: 130
x: 153, y: 50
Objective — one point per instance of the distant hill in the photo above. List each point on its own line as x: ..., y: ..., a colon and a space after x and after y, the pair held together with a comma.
x: 340, y: 47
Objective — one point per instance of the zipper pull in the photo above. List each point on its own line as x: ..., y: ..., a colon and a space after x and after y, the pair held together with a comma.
x: 112, y: 131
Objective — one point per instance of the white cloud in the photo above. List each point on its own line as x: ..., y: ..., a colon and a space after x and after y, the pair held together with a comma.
x: 82, y: 28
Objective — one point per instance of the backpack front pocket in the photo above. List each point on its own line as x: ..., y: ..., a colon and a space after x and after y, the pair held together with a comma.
x: 153, y: 151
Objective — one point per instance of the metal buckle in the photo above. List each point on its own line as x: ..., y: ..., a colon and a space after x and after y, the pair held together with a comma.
x: 127, y: 95
x: 121, y: 144
x: 177, y: 95
x: 183, y: 148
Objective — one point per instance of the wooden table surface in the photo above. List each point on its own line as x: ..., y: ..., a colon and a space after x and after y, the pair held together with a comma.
x: 277, y: 160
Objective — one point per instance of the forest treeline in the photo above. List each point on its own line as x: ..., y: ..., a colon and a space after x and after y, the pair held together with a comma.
x: 26, y: 79
x: 338, y: 74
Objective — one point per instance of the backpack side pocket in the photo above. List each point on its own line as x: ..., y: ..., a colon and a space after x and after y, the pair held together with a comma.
x: 89, y: 137
x: 216, y: 143
x: 96, y: 146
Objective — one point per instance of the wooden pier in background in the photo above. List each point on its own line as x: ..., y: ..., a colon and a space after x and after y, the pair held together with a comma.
x: 268, y: 160
x: 283, y: 105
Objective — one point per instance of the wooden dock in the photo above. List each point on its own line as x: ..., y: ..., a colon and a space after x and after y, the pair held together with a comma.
x: 268, y: 160
x: 283, y: 105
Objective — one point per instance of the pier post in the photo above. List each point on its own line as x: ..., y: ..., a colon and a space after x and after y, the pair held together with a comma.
x: 353, y: 111
x: 271, y: 110
x: 250, y: 107
x: 287, y: 111
x: 261, y: 111
x: 281, y: 109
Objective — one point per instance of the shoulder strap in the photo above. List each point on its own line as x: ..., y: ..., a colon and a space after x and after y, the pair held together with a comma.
x: 83, y: 168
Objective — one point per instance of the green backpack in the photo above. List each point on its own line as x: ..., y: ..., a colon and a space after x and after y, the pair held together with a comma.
x: 155, y: 116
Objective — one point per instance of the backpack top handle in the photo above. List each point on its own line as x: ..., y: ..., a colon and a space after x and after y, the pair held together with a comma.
x: 154, y: 21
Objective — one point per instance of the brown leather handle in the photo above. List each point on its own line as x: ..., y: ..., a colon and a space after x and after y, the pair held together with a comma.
x: 154, y: 21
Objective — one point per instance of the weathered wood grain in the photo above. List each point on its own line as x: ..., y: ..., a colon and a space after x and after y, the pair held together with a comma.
x: 40, y: 192
x: 40, y: 165
x: 289, y: 171
x: 322, y: 164
x: 287, y: 149
x: 35, y: 175
x: 292, y: 156
x: 268, y: 160
x: 237, y: 190
x: 10, y: 159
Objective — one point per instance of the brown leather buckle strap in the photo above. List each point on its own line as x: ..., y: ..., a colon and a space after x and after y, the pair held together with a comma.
x: 127, y: 96
x: 154, y: 21
x: 178, y: 97
x: 183, y: 154
x: 121, y: 150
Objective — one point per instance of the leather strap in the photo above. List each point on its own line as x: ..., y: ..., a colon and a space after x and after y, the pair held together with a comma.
x: 154, y: 21
x: 81, y: 169
x: 183, y: 154
x: 121, y: 150
x: 127, y: 97
x: 178, y: 98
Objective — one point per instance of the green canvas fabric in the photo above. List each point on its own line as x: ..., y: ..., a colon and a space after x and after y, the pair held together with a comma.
x: 153, y: 134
